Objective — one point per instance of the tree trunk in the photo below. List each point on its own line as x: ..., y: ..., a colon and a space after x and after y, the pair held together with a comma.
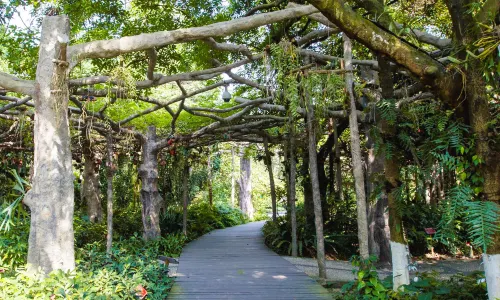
x: 306, y: 186
x: 399, y: 248
x: 111, y: 171
x: 291, y: 180
x: 323, y: 186
x: 245, y: 183
x: 378, y: 217
x: 51, y: 198
x: 209, y: 181
x: 313, y: 168
x: 357, y: 163
x: 269, y: 165
x: 185, y: 197
x: 150, y: 197
x: 490, y: 170
x: 90, y: 187
x: 338, y: 165
x: 233, y: 180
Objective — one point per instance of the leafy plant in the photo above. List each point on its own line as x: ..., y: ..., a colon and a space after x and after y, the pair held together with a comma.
x: 483, y: 218
x: 425, y: 286
x: 7, y: 212
x: 367, y: 285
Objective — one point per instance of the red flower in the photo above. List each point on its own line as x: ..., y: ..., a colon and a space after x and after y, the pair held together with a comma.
x: 141, y: 292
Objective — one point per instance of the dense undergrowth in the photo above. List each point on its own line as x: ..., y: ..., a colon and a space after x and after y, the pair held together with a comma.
x: 424, y: 286
x: 130, y: 271
x: 341, y: 233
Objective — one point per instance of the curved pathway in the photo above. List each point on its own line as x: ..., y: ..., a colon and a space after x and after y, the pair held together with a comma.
x: 234, y: 263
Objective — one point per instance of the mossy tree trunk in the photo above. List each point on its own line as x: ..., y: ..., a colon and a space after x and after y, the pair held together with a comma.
x: 150, y: 197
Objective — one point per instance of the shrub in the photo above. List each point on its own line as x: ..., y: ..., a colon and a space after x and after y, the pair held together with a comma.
x: 87, y: 232
x: 367, y: 285
x: 202, y: 218
x: 424, y: 286
x: 230, y: 216
x: 278, y: 237
x: 14, y: 245
x: 132, y: 264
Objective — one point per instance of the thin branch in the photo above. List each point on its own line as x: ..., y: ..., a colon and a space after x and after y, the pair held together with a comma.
x: 263, y: 6
x: 8, y: 132
x: 316, y: 35
x: 243, y: 49
x: 152, y: 58
x: 181, y: 107
x: 323, y: 57
x: 225, y: 110
x: 217, y: 124
x: 14, y: 104
x: 160, y: 104
x: 318, y: 17
x: 163, y: 79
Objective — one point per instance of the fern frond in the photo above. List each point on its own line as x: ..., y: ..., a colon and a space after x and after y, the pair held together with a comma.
x: 483, y: 218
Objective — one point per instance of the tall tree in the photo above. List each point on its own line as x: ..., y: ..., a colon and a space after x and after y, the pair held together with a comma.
x: 51, y: 198
x: 245, y: 183
x: 357, y: 163
x: 292, y: 186
x: 233, y: 179
x: 185, y: 196
x: 110, y: 172
x: 316, y: 196
x: 269, y: 165
x: 91, y: 193
x: 150, y: 197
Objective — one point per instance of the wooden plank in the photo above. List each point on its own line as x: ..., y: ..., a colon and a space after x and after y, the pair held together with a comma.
x: 234, y: 263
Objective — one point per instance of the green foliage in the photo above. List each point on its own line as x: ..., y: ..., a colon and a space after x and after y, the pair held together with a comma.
x: 131, y: 264
x: 481, y: 217
x: 6, y: 215
x: 87, y: 232
x: 430, y: 286
x: 278, y: 237
x: 202, y: 218
x: 425, y: 286
x: 14, y: 245
x: 367, y: 285
x: 387, y: 109
x: 484, y: 221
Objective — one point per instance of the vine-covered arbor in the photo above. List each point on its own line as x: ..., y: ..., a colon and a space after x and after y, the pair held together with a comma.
x: 301, y: 76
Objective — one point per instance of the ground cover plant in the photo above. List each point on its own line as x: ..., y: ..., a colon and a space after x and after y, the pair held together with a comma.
x: 358, y: 127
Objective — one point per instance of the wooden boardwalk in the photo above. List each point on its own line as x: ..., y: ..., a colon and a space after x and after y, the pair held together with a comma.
x: 234, y: 263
